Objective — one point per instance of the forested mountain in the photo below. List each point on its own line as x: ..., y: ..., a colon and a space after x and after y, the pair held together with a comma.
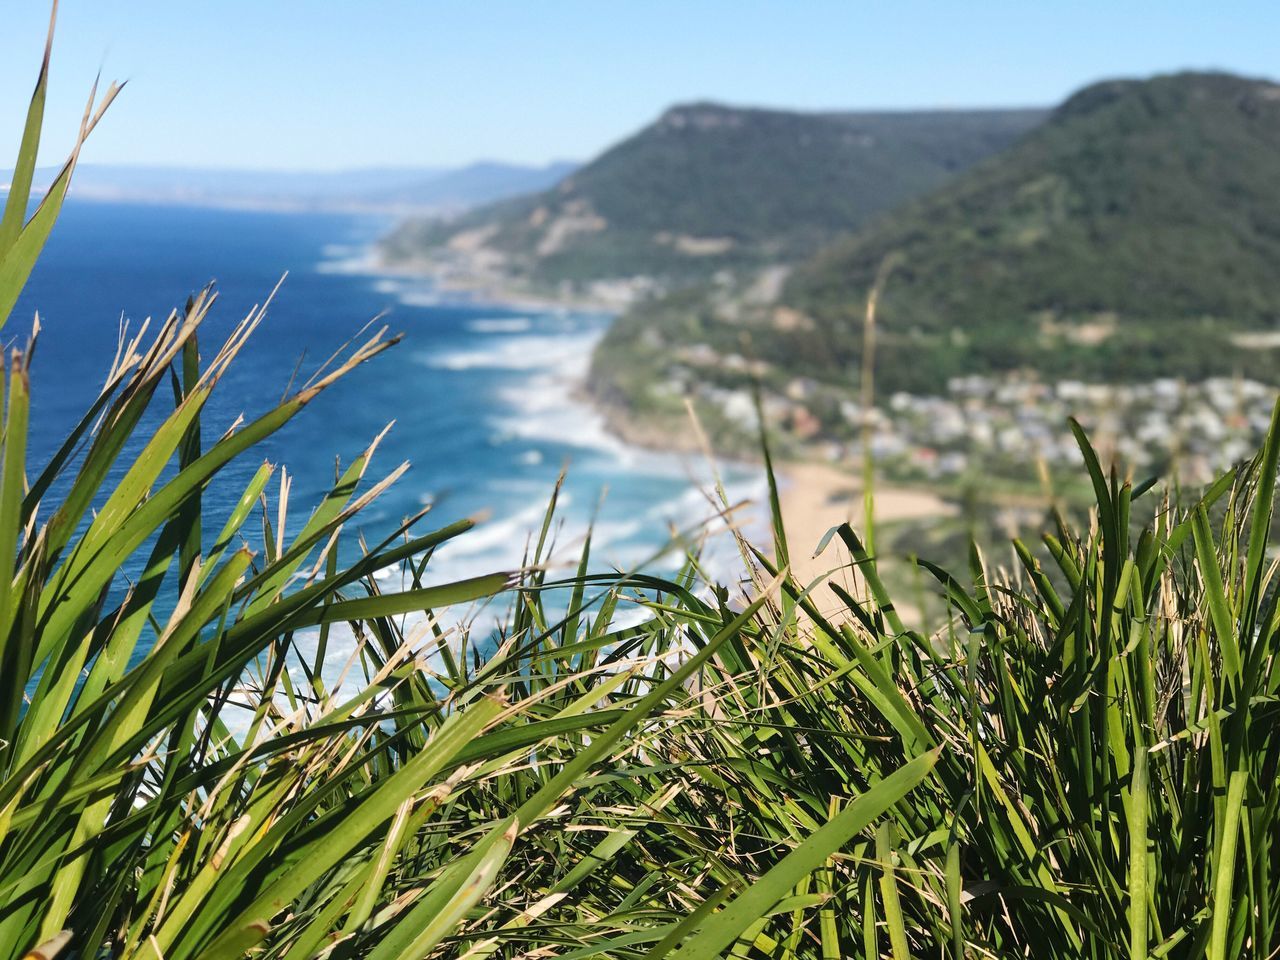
x: 1135, y: 234
x: 708, y: 186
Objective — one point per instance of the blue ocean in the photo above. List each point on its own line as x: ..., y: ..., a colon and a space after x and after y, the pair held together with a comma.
x: 483, y: 398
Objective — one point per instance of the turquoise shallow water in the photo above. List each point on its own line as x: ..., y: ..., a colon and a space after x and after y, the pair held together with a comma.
x: 481, y: 397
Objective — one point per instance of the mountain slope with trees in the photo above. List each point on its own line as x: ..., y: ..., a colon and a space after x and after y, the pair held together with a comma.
x: 707, y: 187
x: 1134, y: 235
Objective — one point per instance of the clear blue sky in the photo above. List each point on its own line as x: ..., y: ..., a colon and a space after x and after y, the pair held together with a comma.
x: 322, y: 84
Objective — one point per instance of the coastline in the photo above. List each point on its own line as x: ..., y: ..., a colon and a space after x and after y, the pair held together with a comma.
x: 814, y: 495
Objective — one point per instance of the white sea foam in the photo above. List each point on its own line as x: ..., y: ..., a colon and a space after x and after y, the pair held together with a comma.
x: 357, y: 260
x: 500, y: 325
x: 631, y: 616
x: 543, y: 412
x: 420, y: 297
x: 565, y: 355
x: 543, y: 406
x: 502, y: 541
x: 608, y: 532
x: 547, y: 369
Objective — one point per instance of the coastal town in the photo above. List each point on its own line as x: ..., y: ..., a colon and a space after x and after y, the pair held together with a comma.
x: 1002, y: 425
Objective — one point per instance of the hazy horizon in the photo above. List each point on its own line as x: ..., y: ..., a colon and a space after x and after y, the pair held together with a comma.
x: 283, y: 87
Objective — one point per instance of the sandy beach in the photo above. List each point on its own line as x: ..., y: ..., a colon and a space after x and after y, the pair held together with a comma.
x: 817, y: 496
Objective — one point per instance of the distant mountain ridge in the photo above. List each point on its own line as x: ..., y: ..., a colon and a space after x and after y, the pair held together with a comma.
x: 487, y: 181
x: 708, y: 186
x: 438, y: 191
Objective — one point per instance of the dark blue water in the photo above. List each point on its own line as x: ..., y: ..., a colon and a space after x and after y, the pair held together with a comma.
x: 482, y: 398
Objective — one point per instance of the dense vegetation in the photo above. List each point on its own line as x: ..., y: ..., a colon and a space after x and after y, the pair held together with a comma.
x: 707, y: 186
x: 1133, y: 235
x: 1080, y: 760
x: 1145, y: 210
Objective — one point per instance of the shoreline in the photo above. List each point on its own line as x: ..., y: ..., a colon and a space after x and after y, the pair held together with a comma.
x: 814, y: 495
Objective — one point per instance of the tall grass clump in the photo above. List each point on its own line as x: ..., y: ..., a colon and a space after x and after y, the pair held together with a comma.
x: 176, y: 778
x: 1105, y: 713
x: 1079, y: 760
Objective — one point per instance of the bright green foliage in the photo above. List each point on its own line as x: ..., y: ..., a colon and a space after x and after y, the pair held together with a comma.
x: 1106, y: 786
x: 22, y: 239
x: 1080, y: 762
x: 127, y: 807
x: 1144, y: 212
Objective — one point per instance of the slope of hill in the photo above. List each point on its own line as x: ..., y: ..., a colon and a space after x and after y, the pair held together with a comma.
x: 709, y: 186
x: 1135, y: 235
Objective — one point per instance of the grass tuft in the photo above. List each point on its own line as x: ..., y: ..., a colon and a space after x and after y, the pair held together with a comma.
x: 1080, y: 762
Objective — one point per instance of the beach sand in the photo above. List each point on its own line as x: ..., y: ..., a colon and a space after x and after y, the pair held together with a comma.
x: 816, y: 497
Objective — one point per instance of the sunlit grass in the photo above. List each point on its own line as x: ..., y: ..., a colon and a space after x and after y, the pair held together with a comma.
x: 1080, y: 762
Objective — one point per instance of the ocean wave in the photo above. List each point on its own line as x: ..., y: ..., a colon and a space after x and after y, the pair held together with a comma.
x: 544, y: 360
x: 419, y: 296
x: 500, y: 325
x: 498, y: 541
x: 543, y: 411
x: 361, y: 261
x: 631, y: 616
x: 501, y: 359
x: 608, y: 532
x: 566, y: 355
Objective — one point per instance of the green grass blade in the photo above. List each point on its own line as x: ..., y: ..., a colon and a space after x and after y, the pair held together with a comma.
x: 15, y: 208
x: 725, y: 927
x: 1139, y: 891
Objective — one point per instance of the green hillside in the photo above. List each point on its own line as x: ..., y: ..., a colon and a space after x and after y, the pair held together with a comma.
x: 709, y: 186
x: 1135, y: 234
